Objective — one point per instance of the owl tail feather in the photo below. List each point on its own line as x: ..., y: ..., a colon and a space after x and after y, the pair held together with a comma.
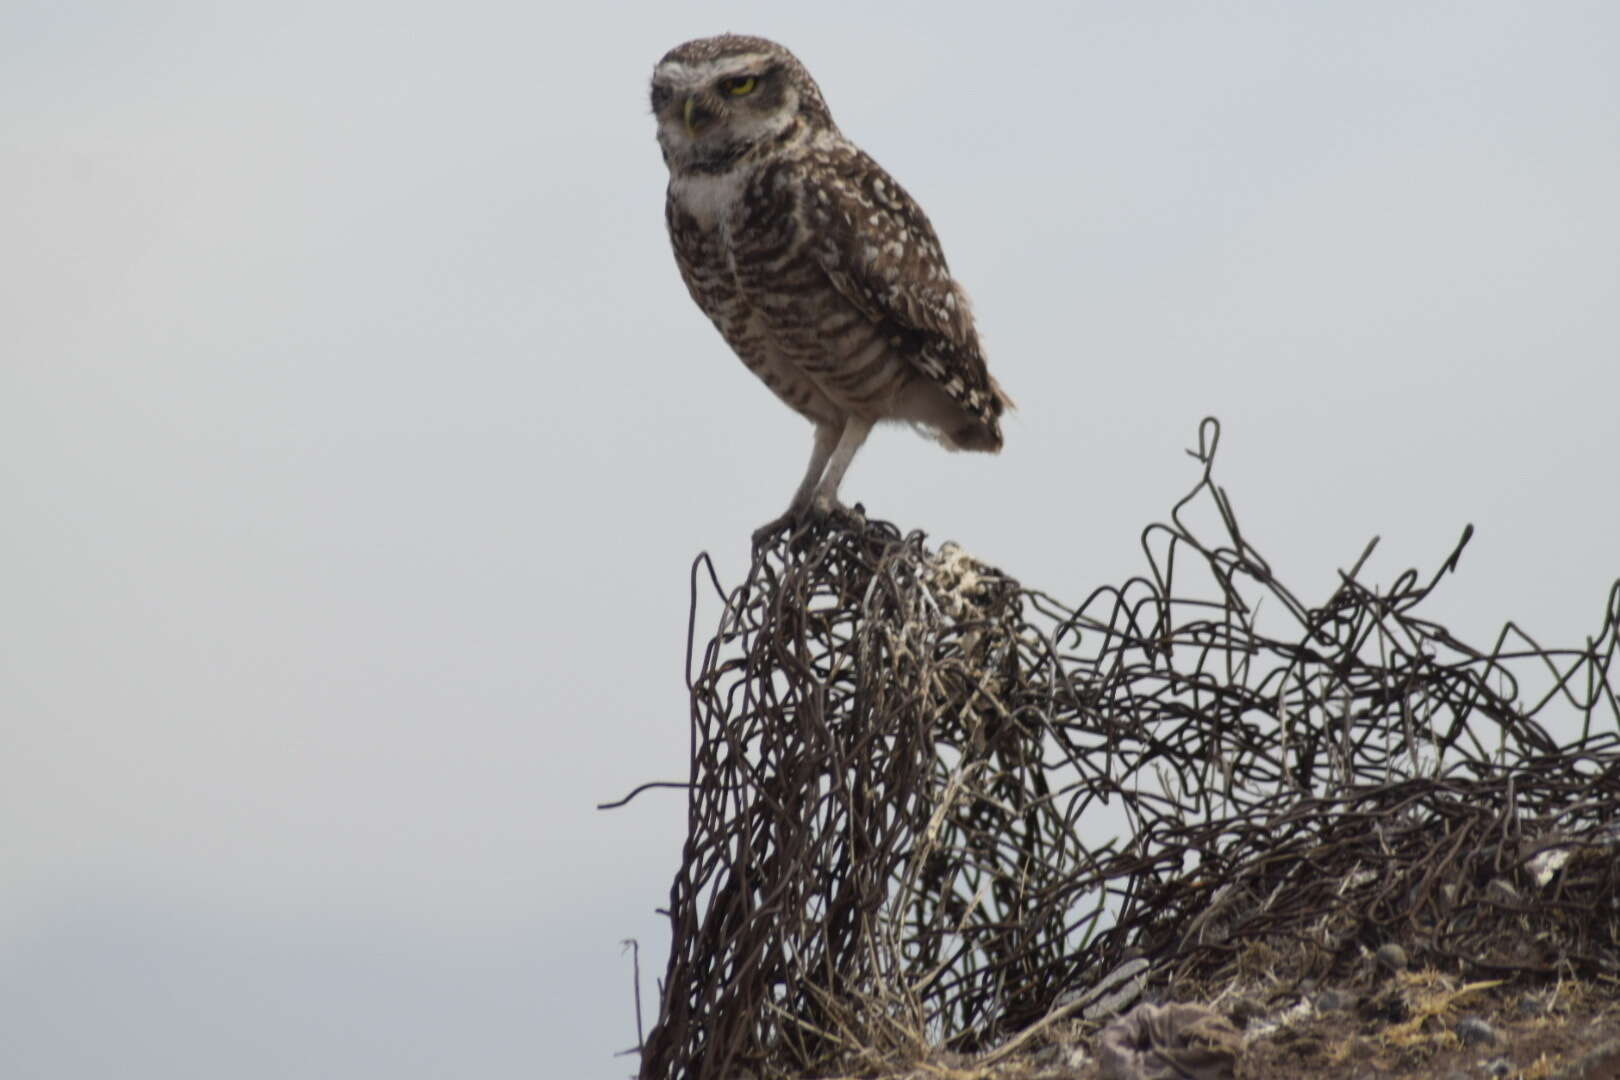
x: 982, y: 433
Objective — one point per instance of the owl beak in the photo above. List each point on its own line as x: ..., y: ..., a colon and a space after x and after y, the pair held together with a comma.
x: 697, y: 115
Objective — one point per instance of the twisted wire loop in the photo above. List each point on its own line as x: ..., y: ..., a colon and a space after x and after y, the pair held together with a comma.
x: 927, y: 805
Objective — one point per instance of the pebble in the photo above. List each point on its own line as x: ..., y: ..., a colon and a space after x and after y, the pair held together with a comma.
x: 1530, y: 1006
x: 1392, y: 956
x: 1245, y: 1009
x: 1475, y: 1032
x: 1331, y: 1001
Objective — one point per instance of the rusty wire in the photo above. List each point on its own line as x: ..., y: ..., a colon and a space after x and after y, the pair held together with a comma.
x: 899, y: 757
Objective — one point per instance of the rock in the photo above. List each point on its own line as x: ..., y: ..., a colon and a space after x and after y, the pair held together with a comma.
x: 1113, y: 997
x: 1331, y: 1001
x: 1245, y: 1009
x: 1392, y: 956
x: 1154, y: 1042
x: 1475, y: 1032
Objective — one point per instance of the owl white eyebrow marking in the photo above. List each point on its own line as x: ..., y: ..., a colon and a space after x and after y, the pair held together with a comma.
x: 679, y: 72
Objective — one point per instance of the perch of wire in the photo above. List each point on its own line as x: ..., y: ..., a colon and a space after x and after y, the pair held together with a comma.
x: 928, y: 805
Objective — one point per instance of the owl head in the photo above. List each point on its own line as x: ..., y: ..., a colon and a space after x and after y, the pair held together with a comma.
x: 718, y: 98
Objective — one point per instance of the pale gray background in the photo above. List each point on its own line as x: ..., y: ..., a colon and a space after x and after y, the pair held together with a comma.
x: 356, y: 435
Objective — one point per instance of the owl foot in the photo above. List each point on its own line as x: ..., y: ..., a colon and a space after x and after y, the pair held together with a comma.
x: 767, y: 532
x: 839, y: 516
x: 815, y: 516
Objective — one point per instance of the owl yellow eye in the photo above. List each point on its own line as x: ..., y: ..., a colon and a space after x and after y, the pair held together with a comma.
x: 739, y: 85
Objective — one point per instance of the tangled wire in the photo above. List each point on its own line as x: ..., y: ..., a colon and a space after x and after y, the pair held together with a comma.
x: 928, y: 805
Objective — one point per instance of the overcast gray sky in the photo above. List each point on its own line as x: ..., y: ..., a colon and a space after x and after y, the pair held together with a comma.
x: 356, y: 434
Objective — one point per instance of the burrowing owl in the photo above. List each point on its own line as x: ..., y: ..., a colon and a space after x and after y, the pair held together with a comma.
x: 818, y: 269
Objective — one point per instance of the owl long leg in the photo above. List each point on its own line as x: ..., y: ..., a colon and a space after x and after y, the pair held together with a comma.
x: 826, y: 440
x: 825, y: 499
x: 818, y: 491
x: 820, y: 451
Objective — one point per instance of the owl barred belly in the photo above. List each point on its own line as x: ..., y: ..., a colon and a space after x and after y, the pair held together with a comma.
x: 818, y: 269
x: 753, y: 237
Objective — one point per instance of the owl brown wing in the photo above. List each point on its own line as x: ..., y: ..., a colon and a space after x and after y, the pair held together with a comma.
x: 879, y: 250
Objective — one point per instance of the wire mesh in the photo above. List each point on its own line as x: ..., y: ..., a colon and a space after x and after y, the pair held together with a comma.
x: 900, y: 759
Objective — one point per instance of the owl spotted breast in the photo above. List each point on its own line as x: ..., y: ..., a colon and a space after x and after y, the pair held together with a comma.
x: 818, y: 269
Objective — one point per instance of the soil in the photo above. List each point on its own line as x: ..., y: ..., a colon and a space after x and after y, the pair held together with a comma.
x: 1409, y: 1026
x: 1522, y: 1037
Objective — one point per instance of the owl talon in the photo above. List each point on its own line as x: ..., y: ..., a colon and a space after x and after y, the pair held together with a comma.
x: 767, y: 532
x: 795, y: 521
x: 816, y: 515
x: 834, y: 513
